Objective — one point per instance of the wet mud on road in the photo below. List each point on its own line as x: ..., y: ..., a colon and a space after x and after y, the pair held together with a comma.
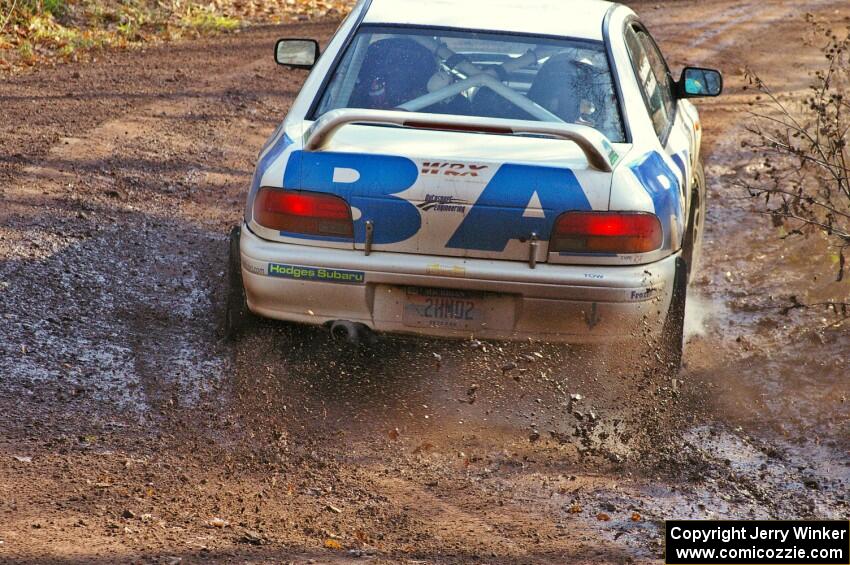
x: 129, y: 431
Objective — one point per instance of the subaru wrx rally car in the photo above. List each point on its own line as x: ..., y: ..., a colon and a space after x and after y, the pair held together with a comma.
x: 501, y: 169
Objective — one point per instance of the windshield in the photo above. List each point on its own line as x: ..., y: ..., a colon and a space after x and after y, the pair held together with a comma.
x: 468, y: 73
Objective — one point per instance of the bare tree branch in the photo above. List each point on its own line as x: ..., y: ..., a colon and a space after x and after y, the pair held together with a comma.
x: 803, y: 182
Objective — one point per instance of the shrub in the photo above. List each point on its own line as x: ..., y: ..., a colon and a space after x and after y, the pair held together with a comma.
x: 803, y: 181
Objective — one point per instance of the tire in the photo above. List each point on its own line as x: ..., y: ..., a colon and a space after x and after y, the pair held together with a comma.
x: 672, y: 340
x: 237, y: 317
x: 692, y: 244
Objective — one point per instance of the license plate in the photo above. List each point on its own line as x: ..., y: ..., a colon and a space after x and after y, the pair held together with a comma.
x: 443, y: 308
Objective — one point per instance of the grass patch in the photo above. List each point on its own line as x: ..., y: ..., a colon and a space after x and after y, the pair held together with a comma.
x: 205, y: 20
x: 50, y: 31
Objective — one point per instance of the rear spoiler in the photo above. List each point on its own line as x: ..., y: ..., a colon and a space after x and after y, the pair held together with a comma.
x: 596, y: 147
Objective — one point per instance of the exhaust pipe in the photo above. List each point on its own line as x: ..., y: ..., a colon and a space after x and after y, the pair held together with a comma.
x: 352, y: 332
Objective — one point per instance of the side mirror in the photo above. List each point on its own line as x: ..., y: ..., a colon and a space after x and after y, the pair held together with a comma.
x: 296, y: 53
x: 697, y: 83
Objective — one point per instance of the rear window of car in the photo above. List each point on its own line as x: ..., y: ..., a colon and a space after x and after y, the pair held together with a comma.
x: 468, y: 73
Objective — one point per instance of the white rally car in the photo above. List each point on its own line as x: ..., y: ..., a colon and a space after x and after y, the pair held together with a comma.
x: 501, y: 169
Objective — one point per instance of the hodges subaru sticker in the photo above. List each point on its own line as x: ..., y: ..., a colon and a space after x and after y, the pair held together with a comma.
x: 319, y: 274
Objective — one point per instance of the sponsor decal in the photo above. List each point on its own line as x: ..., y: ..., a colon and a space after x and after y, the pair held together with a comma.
x: 639, y: 295
x: 298, y: 272
x: 451, y: 169
x: 612, y: 153
x: 445, y: 270
x: 442, y: 203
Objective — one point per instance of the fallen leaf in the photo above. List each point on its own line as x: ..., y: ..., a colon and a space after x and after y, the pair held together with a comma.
x: 333, y: 509
x: 603, y: 517
x: 393, y: 434
x: 575, y: 508
x: 332, y: 544
x: 218, y: 523
x: 22, y: 458
x: 635, y: 517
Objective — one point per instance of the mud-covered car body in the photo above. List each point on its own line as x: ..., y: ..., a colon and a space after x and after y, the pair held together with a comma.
x: 460, y: 199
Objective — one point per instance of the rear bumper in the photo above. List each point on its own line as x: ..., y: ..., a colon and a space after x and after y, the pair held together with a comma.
x: 567, y: 303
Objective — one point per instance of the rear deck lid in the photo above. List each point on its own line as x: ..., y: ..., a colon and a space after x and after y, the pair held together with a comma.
x: 451, y: 193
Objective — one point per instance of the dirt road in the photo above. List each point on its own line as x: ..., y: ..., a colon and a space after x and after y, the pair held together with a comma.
x: 129, y: 432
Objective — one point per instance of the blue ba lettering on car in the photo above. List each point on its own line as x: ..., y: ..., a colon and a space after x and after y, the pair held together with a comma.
x: 371, y: 184
x: 500, y: 213
x: 368, y: 182
x: 680, y: 159
x: 300, y: 272
x: 659, y: 180
x: 274, y: 152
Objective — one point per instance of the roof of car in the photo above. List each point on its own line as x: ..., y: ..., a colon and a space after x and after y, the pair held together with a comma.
x: 565, y: 18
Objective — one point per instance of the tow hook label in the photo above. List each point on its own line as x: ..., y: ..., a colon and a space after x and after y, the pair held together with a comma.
x: 319, y: 274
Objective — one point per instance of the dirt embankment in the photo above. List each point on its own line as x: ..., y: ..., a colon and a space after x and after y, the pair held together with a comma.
x: 129, y: 431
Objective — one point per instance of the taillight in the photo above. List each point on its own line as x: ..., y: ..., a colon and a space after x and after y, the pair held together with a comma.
x: 310, y: 213
x: 606, y: 232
